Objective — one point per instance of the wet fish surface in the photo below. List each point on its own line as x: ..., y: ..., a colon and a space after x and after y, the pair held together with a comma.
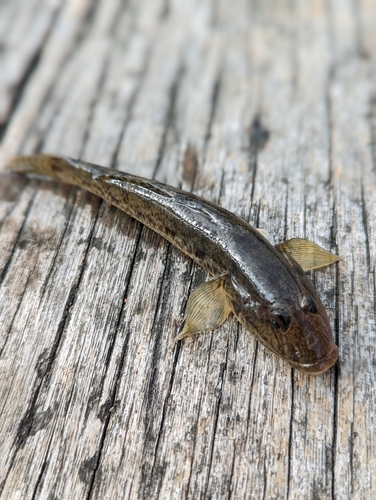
x: 262, y: 284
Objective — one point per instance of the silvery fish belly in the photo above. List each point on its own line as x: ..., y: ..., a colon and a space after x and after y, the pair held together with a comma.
x: 263, y: 285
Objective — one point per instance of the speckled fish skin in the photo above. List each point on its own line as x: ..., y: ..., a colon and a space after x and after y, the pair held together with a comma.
x: 268, y: 291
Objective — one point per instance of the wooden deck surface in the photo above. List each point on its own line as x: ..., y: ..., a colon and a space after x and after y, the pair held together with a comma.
x: 268, y: 108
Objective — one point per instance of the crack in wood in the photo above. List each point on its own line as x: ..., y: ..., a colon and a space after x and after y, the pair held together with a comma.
x: 258, y: 137
x: 71, y: 204
x: 42, y: 471
x: 365, y: 219
x: 170, y: 115
x: 190, y: 165
x: 130, y: 107
x: 213, y: 109
x: 17, y: 239
x: 290, y: 441
x: 329, y: 122
x: 372, y: 125
x: 222, y: 370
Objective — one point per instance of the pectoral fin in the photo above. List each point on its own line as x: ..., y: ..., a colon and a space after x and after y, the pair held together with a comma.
x: 207, y: 308
x: 307, y: 254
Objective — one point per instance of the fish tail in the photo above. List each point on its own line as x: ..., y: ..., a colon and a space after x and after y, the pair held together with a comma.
x: 61, y: 168
x: 38, y: 164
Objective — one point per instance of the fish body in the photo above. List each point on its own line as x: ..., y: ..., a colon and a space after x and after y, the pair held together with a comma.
x: 265, y: 288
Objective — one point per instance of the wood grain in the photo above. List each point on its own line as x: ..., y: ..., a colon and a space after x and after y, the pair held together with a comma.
x: 268, y: 108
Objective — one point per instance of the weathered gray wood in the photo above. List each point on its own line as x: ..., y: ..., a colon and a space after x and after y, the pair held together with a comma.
x: 269, y: 109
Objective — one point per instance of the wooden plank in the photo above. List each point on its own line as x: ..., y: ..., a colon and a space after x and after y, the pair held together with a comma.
x: 268, y: 109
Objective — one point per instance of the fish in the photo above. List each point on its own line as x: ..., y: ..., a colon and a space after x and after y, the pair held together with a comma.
x: 262, y: 284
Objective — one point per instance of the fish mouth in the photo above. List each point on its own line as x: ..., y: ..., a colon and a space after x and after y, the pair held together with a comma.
x: 320, y: 366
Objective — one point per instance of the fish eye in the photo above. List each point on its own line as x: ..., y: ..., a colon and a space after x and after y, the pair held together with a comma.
x: 307, y: 303
x: 280, y: 322
x: 275, y: 324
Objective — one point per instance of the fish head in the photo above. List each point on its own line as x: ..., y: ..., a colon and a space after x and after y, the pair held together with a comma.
x: 301, y: 334
x: 296, y: 330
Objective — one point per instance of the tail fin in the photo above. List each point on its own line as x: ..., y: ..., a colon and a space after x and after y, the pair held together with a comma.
x: 61, y: 168
x: 37, y: 164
